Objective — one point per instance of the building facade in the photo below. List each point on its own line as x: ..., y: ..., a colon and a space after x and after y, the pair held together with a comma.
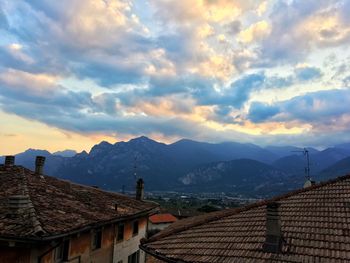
x: 47, y: 220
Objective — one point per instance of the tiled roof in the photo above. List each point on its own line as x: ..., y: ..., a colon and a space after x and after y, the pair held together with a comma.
x: 162, y: 218
x: 315, y: 225
x: 54, y: 207
x: 180, y: 212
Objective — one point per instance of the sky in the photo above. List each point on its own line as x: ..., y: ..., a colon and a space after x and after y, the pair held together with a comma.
x: 76, y: 72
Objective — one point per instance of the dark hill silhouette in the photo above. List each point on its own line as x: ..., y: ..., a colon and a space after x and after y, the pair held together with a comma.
x: 163, y: 166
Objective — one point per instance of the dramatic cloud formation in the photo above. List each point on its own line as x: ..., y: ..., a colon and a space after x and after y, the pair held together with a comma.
x: 255, y: 71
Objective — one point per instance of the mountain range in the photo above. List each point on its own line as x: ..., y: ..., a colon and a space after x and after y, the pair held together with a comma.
x: 188, y: 165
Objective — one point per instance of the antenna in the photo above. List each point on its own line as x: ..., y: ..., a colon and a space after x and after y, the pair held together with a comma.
x: 135, y: 167
x: 307, y: 168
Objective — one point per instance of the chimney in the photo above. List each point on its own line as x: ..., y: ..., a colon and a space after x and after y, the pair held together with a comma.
x: 273, y: 236
x: 9, y: 160
x: 39, y: 165
x: 140, y: 185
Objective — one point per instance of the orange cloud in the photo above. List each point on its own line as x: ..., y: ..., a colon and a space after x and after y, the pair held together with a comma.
x: 39, y: 84
x: 255, y: 32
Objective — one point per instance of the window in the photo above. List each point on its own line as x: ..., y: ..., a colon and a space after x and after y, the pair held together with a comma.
x: 135, y: 228
x: 135, y: 257
x: 120, y: 234
x: 62, y: 252
x: 96, y: 239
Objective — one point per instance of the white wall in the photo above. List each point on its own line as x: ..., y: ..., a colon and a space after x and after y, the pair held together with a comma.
x: 123, y: 249
x: 158, y: 226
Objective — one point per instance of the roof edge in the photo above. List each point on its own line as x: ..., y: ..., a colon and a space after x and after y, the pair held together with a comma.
x: 158, y: 255
x: 206, y: 218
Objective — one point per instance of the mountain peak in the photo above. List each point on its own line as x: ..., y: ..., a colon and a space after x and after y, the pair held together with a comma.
x: 36, y: 152
x: 142, y: 139
x: 104, y: 143
x: 82, y: 154
x: 99, y: 148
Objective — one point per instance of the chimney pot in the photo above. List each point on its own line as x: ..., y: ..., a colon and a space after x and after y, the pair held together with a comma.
x: 273, y: 238
x: 9, y: 160
x: 140, y: 185
x: 39, y: 164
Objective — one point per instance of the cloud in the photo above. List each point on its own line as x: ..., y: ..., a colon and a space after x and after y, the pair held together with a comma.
x: 262, y: 8
x: 319, y: 106
x: 307, y: 73
x: 95, y: 39
x: 299, y: 27
x: 40, y: 84
x: 346, y: 81
x: 40, y: 89
x: 321, y: 109
x: 241, y: 89
x: 16, y: 51
x: 212, y: 11
x: 185, y: 68
x: 81, y: 121
x: 106, y: 102
x: 255, y: 32
x: 3, y: 19
x: 259, y: 112
x: 235, y: 95
x: 87, y: 24
x: 234, y: 27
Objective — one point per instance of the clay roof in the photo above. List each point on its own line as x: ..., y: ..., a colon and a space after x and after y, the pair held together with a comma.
x: 162, y: 218
x: 54, y: 207
x: 315, y: 224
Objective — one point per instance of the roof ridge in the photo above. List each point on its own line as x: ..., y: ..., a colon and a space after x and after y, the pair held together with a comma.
x: 80, y: 185
x: 210, y: 217
x: 38, y: 229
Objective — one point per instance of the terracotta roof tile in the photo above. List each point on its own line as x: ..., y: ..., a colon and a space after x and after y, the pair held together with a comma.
x: 315, y: 224
x: 162, y: 218
x: 57, y: 206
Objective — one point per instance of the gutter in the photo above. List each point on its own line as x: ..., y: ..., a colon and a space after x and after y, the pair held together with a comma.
x: 159, y: 256
x: 83, y: 229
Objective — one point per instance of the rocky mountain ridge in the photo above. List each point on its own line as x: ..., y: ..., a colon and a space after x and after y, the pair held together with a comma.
x: 188, y: 165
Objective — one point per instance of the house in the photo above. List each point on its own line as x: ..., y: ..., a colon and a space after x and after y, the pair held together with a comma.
x: 160, y: 221
x: 44, y: 219
x: 307, y: 225
x: 181, y: 213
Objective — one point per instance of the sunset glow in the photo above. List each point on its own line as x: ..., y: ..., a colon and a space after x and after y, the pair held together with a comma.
x: 76, y: 72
